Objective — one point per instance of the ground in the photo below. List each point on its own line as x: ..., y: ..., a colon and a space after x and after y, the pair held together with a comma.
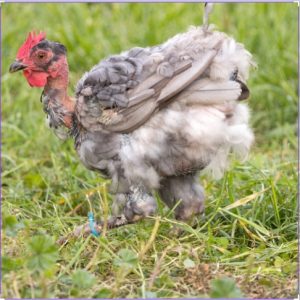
x: 245, y: 244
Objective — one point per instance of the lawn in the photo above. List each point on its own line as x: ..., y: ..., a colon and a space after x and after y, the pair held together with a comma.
x: 245, y: 245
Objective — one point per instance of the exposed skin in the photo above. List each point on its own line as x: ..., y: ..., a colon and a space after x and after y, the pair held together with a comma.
x: 45, y: 65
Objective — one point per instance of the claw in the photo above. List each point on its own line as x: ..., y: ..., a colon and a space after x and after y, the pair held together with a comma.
x: 114, y: 222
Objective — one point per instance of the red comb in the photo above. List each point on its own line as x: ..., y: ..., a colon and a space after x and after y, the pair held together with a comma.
x: 32, y: 40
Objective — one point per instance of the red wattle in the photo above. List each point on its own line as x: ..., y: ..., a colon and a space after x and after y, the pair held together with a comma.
x: 36, y: 79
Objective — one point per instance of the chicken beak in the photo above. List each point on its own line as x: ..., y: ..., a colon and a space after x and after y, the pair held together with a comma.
x: 16, y: 66
x: 245, y: 91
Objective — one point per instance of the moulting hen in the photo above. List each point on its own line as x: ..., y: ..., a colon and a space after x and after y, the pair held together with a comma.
x: 149, y: 118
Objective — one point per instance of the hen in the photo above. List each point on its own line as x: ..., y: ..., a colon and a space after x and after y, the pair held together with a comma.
x: 149, y: 118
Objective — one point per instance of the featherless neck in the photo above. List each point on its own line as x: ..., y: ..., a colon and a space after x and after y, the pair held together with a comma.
x: 57, y: 104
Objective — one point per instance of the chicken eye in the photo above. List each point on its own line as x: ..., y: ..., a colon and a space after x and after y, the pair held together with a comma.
x: 41, y: 55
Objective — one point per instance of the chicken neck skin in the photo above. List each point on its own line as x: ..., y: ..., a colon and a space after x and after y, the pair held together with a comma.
x: 59, y: 107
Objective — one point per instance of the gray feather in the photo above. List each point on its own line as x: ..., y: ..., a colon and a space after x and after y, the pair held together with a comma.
x: 150, y: 118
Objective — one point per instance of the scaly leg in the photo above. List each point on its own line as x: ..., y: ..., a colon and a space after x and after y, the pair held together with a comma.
x: 127, y: 209
x: 137, y: 204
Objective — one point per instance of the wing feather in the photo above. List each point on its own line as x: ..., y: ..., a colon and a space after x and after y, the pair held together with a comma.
x: 164, y: 88
x: 122, y: 92
x: 183, y: 79
x: 210, y: 92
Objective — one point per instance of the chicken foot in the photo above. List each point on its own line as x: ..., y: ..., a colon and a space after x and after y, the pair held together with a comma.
x: 136, y: 205
x: 85, y: 229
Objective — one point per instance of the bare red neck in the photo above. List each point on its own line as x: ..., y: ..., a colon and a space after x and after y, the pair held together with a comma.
x: 61, y: 105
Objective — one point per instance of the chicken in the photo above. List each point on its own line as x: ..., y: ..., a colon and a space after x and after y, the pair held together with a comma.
x: 149, y: 118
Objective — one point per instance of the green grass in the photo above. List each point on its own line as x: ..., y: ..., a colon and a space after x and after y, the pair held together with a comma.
x: 44, y: 186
